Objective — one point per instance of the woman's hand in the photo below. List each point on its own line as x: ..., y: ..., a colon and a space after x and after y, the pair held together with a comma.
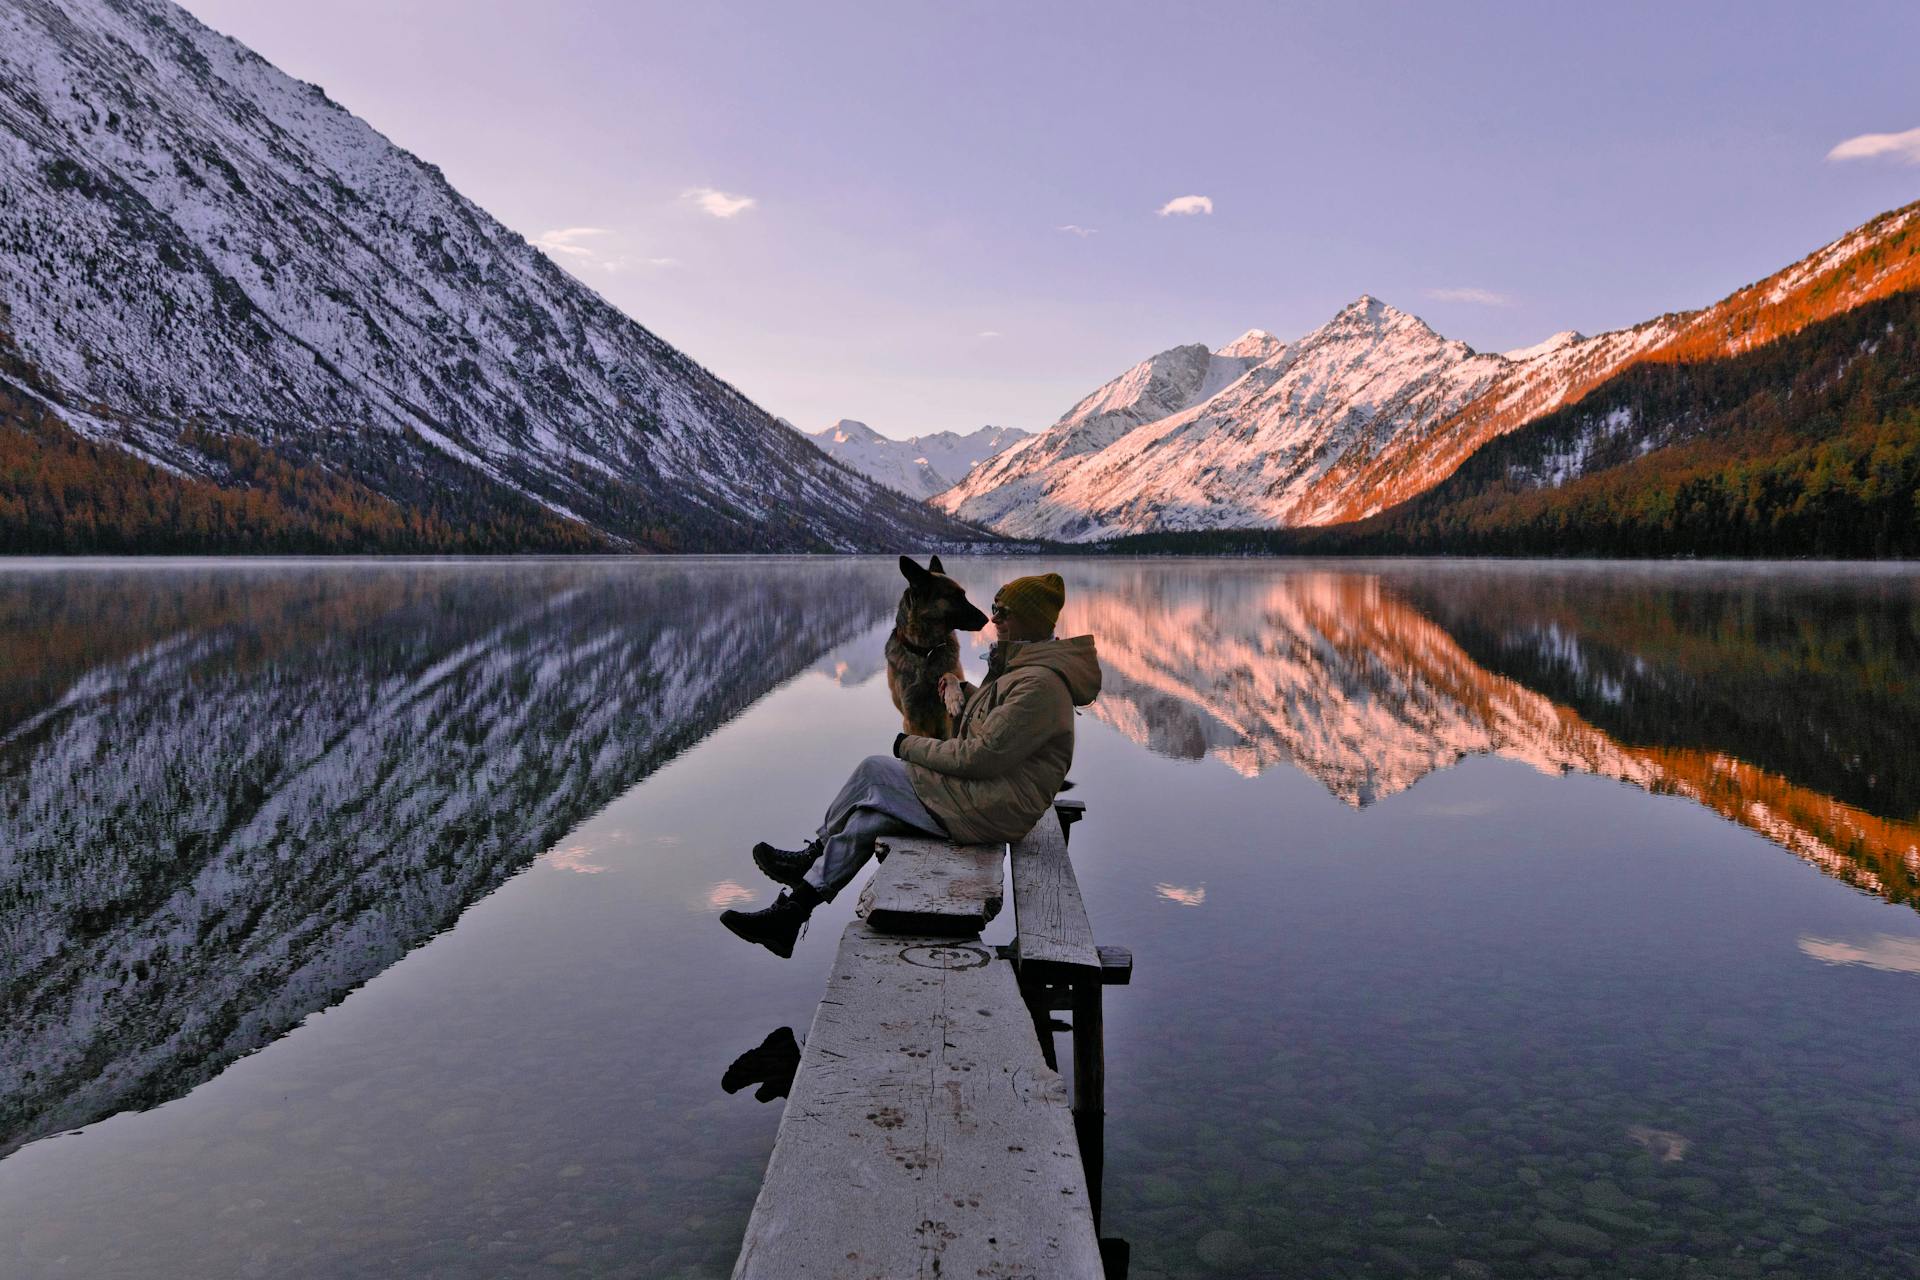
x: 950, y: 693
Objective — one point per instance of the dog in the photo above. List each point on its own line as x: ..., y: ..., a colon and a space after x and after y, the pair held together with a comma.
x: 923, y: 647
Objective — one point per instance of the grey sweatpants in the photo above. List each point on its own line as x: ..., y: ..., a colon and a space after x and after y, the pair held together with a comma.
x: 877, y: 800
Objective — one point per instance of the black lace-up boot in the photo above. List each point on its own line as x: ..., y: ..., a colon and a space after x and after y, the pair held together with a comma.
x: 776, y: 927
x: 785, y: 866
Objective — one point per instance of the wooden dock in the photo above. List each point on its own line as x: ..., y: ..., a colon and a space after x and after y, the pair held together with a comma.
x: 928, y: 1132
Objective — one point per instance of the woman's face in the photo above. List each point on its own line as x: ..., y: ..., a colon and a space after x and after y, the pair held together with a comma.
x: 1008, y: 626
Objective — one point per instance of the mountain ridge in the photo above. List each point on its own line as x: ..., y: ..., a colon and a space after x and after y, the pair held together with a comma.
x: 1193, y: 438
x: 918, y: 466
x: 1808, y: 445
x: 192, y: 241
x: 1235, y: 460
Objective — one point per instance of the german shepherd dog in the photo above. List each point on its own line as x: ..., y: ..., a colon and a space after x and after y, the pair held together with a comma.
x: 923, y: 646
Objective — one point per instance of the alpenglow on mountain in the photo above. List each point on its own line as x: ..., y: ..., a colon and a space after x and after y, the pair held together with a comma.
x: 214, y: 278
x: 919, y: 466
x: 1233, y: 438
x: 1371, y: 410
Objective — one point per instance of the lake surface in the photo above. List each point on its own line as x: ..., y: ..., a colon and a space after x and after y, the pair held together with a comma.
x: 1489, y: 919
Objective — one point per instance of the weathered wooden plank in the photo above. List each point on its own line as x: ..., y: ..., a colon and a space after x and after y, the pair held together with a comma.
x: 933, y: 887
x: 1054, y: 934
x: 923, y: 1137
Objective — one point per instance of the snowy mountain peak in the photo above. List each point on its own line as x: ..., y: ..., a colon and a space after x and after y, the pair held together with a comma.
x: 1192, y: 439
x: 919, y: 466
x: 848, y: 430
x: 1159, y: 385
x: 1254, y: 344
x: 1367, y: 313
x: 1559, y: 341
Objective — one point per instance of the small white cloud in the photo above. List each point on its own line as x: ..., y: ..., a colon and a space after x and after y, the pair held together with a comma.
x: 1479, y: 297
x: 719, y: 203
x: 566, y: 240
x: 1083, y: 232
x: 1187, y: 205
x: 635, y: 264
x: 582, y: 249
x: 1904, y: 147
x: 989, y: 333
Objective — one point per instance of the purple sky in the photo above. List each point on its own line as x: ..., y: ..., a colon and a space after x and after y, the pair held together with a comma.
x: 1501, y: 172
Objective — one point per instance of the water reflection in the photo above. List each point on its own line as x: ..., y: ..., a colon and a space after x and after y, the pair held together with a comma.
x: 1701, y: 690
x: 1891, y: 954
x: 1808, y: 674
x: 228, y: 798
x: 1510, y: 1006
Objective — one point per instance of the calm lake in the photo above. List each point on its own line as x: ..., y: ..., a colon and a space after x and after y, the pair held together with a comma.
x: 358, y: 919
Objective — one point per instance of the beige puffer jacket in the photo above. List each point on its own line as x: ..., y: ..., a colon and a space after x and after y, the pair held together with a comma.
x: 1010, y: 749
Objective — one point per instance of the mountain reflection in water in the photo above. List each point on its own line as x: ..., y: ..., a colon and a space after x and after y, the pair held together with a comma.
x: 1745, y: 698
x: 230, y: 796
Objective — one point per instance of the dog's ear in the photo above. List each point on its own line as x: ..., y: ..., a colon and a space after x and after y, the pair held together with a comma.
x: 911, y: 571
x: 934, y: 564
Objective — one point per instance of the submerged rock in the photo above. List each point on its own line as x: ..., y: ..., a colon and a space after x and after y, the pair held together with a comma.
x: 1223, y: 1250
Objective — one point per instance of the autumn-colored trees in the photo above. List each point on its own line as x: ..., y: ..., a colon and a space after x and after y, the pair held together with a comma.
x: 61, y: 494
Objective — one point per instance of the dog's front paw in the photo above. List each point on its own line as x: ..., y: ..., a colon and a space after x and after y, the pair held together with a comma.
x: 951, y: 695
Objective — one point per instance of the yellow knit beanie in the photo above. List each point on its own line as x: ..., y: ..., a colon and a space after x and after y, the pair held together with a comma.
x: 1037, y: 599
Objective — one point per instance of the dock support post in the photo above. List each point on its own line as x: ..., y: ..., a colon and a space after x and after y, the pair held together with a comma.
x: 1090, y: 1083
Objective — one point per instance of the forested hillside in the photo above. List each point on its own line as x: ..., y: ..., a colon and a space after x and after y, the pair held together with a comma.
x: 61, y: 493
x: 1876, y: 260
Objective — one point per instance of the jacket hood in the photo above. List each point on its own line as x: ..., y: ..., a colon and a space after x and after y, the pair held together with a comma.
x: 1074, y: 659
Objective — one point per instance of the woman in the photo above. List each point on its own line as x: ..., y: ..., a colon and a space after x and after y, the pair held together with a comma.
x: 991, y: 781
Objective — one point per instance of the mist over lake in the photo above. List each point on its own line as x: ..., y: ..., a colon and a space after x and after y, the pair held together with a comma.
x: 360, y: 917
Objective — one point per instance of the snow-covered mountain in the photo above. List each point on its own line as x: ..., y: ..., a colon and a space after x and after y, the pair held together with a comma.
x: 192, y: 242
x: 919, y: 466
x: 1368, y: 411
x: 1233, y: 438
x: 287, y: 784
